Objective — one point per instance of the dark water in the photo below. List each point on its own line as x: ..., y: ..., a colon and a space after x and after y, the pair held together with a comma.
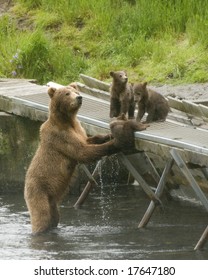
x: 104, y: 228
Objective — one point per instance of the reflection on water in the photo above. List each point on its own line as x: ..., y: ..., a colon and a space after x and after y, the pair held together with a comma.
x: 104, y: 228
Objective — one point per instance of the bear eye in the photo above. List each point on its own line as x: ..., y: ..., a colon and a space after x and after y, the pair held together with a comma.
x: 120, y: 76
x: 67, y: 93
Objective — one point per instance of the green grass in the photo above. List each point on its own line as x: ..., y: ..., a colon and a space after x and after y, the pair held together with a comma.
x: 158, y: 41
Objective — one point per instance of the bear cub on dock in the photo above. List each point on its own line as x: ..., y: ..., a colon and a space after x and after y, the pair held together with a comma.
x: 151, y: 102
x: 63, y: 144
x: 123, y: 130
x: 121, y: 95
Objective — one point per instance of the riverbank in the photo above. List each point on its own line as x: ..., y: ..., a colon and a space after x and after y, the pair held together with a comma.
x: 197, y: 91
x: 155, y: 42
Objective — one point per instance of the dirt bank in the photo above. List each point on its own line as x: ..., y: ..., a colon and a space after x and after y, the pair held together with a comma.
x: 189, y: 91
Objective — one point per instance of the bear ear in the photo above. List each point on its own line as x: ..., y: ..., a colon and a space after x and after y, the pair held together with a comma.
x: 123, y: 117
x: 144, y: 84
x: 111, y: 73
x: 73, y: 85
x: 51, y: 91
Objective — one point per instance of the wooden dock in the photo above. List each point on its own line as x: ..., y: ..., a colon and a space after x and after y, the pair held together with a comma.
x: 23, y: 98
x: 27, y: 99
x: 175, y: 145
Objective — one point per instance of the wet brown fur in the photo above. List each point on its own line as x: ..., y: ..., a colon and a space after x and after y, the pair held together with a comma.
x: 63, y: 144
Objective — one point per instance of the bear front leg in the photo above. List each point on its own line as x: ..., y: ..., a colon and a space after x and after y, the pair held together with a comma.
x: 141, y: 111
x: 99, y: 139
x: 131, y: 109
x: 92, y: 152
x: 151, y: 114
x: 161, y: 112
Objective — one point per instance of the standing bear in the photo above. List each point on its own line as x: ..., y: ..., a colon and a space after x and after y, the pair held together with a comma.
x: 63, y: 144
x: 151, y: 102
x: 121, y: 95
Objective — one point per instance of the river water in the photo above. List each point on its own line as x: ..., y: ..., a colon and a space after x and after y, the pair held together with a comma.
x: 105, y: 227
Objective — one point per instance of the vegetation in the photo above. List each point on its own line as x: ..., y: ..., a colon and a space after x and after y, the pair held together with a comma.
x: 157, y: 40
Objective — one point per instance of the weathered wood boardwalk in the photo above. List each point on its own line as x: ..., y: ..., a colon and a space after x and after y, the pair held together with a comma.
x: 23, y: 98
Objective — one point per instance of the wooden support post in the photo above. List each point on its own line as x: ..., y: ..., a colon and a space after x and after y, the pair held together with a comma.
x: 143, y: 164
x: 89, y: 185
x: 89, y: 175
x: 154, y: 172
x: 158, y: 192
x: 138, y: 177
x: 203, y: 239
x: 184, y: 169
x: 205, y: 172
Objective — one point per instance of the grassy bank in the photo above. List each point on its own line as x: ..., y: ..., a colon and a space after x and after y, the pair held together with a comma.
x: 157, y: 40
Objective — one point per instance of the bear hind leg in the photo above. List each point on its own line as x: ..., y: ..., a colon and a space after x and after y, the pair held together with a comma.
x: 54, y: 213
x: 114, y: 107
x: 41, y: 216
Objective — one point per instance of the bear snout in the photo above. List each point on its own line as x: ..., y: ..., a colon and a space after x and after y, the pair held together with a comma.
x: 79, y: 99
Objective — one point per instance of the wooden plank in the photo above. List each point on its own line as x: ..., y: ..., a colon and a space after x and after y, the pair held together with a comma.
x: 16, y: 81
x: 200, y: 101
x: 188, y: 107
x: 176, y: 104
x: 180, y: 117
x: 94, y: 92
x: 94, y: 83
x: 22, y: 91
x: 17, y: 107
x: 204, y: 110
x: 192, y: 108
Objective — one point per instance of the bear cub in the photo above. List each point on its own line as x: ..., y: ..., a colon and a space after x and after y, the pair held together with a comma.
x: 121, y: 95
x: 63, y: 144
x: 151, y: 102
x: 123, y: 130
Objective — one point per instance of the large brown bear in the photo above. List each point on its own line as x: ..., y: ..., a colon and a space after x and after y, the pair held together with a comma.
x: 151, y: 102
x: 123, y: 130
x: 63, y: 144
x: 121, y: 95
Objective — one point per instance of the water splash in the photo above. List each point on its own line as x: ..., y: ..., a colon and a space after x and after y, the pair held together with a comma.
x: 109, y: 170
